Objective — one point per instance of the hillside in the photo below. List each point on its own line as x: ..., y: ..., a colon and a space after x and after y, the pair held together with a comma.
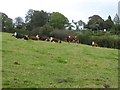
x: 41, y: 64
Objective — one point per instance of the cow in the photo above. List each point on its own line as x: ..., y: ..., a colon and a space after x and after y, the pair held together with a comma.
x: 14, y: 34
x: 20, y: 36
x: 72, y: 39
x: 94, y: 44
x: 33, y: 37
x: 43, y: 38
x: 55, y: 40
x: 26, y: 37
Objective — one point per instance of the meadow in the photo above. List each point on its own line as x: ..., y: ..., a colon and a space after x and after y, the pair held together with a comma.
x: 42, y: 64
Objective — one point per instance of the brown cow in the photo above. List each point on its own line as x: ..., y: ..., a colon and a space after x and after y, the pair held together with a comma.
x: 33, y: 37
x: 43, y: 38
x: 72, y: 39
x: 55, y: 40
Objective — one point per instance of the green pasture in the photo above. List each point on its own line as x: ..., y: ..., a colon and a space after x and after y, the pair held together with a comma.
x: 42, y: 64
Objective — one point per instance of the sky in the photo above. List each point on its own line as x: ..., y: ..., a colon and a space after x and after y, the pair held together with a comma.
x: 73, y: 9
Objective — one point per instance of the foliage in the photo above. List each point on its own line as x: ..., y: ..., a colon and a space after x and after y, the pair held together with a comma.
x: 101, y: 38
x: 115, y: 29
x: 22, y: 31
x: 61, y: 34
x: 46, y: 30
x: 29, y: 15
x: 95, y: 22
x: 85, y: 39
x: 108, y: 23
x: 7, y: 23
x: 54, y: 24
x: 107, y: 41
x: 58, y: 20
x: 19, y: 23
x: 28, y: 18
x: 39, y: 19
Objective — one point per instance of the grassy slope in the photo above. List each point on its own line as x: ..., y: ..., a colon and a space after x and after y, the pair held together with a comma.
x: 44, y: 64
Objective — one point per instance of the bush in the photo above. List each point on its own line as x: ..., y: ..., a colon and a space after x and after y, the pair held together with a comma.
x: 61, y: 34
x: 106, y: 41
x: 21, y: 31
x: 42, y: 31
x: 115, y: 29
x: 46, y: 30
x: 84, y: 39
x: 101, y: 38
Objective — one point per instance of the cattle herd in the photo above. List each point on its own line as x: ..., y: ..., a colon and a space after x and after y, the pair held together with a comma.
x: 44, y: 38
x: 73, y: 39
x: 29, y: 37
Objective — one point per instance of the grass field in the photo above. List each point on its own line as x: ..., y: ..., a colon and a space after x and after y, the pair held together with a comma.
x: 40, y: 64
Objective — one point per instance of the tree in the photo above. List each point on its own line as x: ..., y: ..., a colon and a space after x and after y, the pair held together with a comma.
x: 116, y: 19
x: 46, y: 29
x: 108, y: 23
x: 29, y: 15
x: 19, y: 23
x: 39, y: 19
x: 95, y: 22
x: 116, y: 29
x: 36, y: 19
x: 58, y: 20
x: 28, y: 18
x: 7, y: 23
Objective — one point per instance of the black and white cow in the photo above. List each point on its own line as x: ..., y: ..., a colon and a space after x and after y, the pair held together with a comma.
x: 20, y: 36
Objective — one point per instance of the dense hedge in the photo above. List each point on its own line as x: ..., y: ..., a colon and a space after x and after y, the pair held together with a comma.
x: 102, y: 41
x: 84, y: 39
x: 61, y: 34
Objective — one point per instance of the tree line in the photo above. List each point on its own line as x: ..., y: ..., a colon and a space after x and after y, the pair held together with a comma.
x: 55, y: 24
x: 45, y: 22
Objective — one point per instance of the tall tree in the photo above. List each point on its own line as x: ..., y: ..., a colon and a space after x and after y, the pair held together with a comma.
x: 7, y: 23
x: 28, y: 18
x: 19, y: 22
x: 108, y: 23
x: 29, y: 15
x: 58, y: 20
x: 39, y: 19
x: 95, y: 22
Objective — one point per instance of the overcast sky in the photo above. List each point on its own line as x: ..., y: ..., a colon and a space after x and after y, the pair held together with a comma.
x: 72, y: 9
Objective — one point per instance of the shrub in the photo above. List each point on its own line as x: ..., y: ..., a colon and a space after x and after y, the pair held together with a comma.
x: 21, y: 31
x: 42, y: 31
x: 61, y: 34
x: 101, y: 38
x: 106, y: 41
x: 46, y: 30
x: 84, y: 39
